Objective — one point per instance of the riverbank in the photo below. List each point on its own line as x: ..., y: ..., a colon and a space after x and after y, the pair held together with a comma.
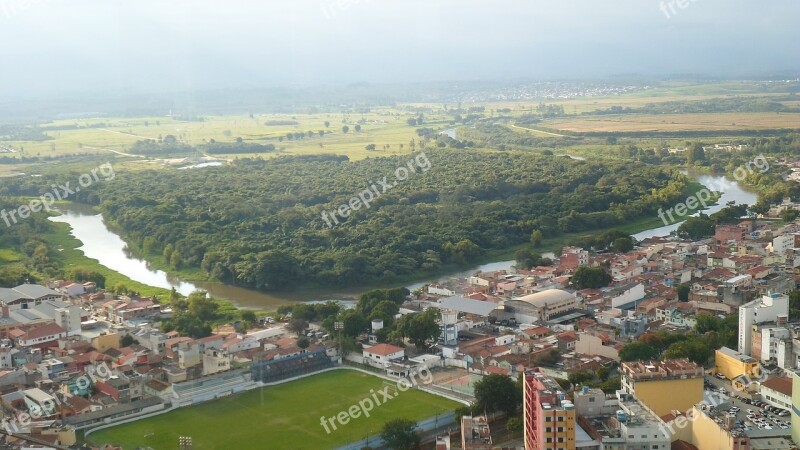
x: 147, y: 278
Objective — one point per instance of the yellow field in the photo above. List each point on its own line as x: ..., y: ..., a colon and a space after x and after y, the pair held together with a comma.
x: 386, y: 127
x: 676, y: 122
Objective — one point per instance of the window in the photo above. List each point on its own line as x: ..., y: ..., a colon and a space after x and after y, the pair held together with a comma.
x: 591, y: 399
x: 560, y: 429
x: 560, y: 418
x: 548, y: 419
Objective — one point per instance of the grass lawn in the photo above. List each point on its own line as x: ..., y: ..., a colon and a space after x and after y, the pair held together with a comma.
x: 283, y: 416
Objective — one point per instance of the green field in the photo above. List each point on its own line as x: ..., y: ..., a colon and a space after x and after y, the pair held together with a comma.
x: 283, y: 416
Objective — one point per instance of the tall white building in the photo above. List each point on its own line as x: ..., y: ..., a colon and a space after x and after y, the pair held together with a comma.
x: 761, y: 310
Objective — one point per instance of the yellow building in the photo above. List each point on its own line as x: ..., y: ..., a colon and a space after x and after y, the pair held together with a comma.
x: 733, y: 364
x: 708, y: 430
x: 795, y: 406
x: 664, y: 386
x: 106, y: 341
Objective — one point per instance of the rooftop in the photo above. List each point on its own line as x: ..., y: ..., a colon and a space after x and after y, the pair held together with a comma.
x: 779, y: 384
x: 467, y: 305
x: 735, y: 354
x: 671, y: 368
x: 545, y: 298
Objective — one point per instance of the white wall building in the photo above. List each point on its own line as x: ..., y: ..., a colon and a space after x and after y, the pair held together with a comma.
x: 782, y: 243
x: 777, y: 391
x: 383, y: 353
x: 626, y: 297
x: 764, y: 309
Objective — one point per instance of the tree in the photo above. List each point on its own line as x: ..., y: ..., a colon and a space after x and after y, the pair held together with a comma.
x: 248, y: 316
x: 297, y: 326
x: 327, y: 124
x: 497, y: 393
x: 637, y: 351
x: 303, y: 342
x: 357, y: 128
x: 694, y: 349
x: 705, y: 322
x: 586, y: 277
x: 127, y: 340
x: 622, y: 245
x: 536, y: 238
x: 683, y: 292
x: 412, y: 122
x: 514, y: 424
x: 695, y: 153
x: 345, y: 129
x: 794, y: 304
x: 548, y: 358
x: 420, y: 328
x: 789, y: 215
x: 696, y: 228
x: 400, y: 434
x: 370, y: 147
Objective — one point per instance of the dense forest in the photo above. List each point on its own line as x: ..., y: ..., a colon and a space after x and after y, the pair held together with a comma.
x: 258, y: 222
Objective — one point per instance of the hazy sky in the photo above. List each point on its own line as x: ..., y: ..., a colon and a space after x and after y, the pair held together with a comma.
x: 79, y: 45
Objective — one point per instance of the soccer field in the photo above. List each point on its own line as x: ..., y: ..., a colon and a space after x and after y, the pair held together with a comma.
x: 285, y: 416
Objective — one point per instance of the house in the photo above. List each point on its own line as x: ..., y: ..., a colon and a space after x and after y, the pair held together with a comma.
x: 383, y: 353
x: 39, y: 402
x: 38, y: 336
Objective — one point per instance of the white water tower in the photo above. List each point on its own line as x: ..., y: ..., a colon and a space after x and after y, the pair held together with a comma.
x: 377, y: 324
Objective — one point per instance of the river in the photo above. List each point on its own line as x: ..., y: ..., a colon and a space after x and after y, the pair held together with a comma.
x: 111, y: 251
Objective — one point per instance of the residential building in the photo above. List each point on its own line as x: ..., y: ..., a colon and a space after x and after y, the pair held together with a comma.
x: 549, y: 418
x: 475, y: 433
x: 631, y: 427
x: 664, y: 386
x: 765, y: 309
x: 725, y: 233
x: 39, y: 401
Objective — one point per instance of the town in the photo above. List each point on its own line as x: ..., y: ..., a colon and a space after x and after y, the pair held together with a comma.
x: 601, y: 367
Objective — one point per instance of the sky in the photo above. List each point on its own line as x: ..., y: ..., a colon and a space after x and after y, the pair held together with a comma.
x: 49, y: 46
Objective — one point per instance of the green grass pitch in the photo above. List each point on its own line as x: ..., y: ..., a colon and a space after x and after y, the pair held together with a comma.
x: 281, y: 417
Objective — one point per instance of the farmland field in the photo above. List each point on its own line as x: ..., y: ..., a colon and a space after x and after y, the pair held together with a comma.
x: 282, y: 416
x: 113, y: 136
x: 676, y: 122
